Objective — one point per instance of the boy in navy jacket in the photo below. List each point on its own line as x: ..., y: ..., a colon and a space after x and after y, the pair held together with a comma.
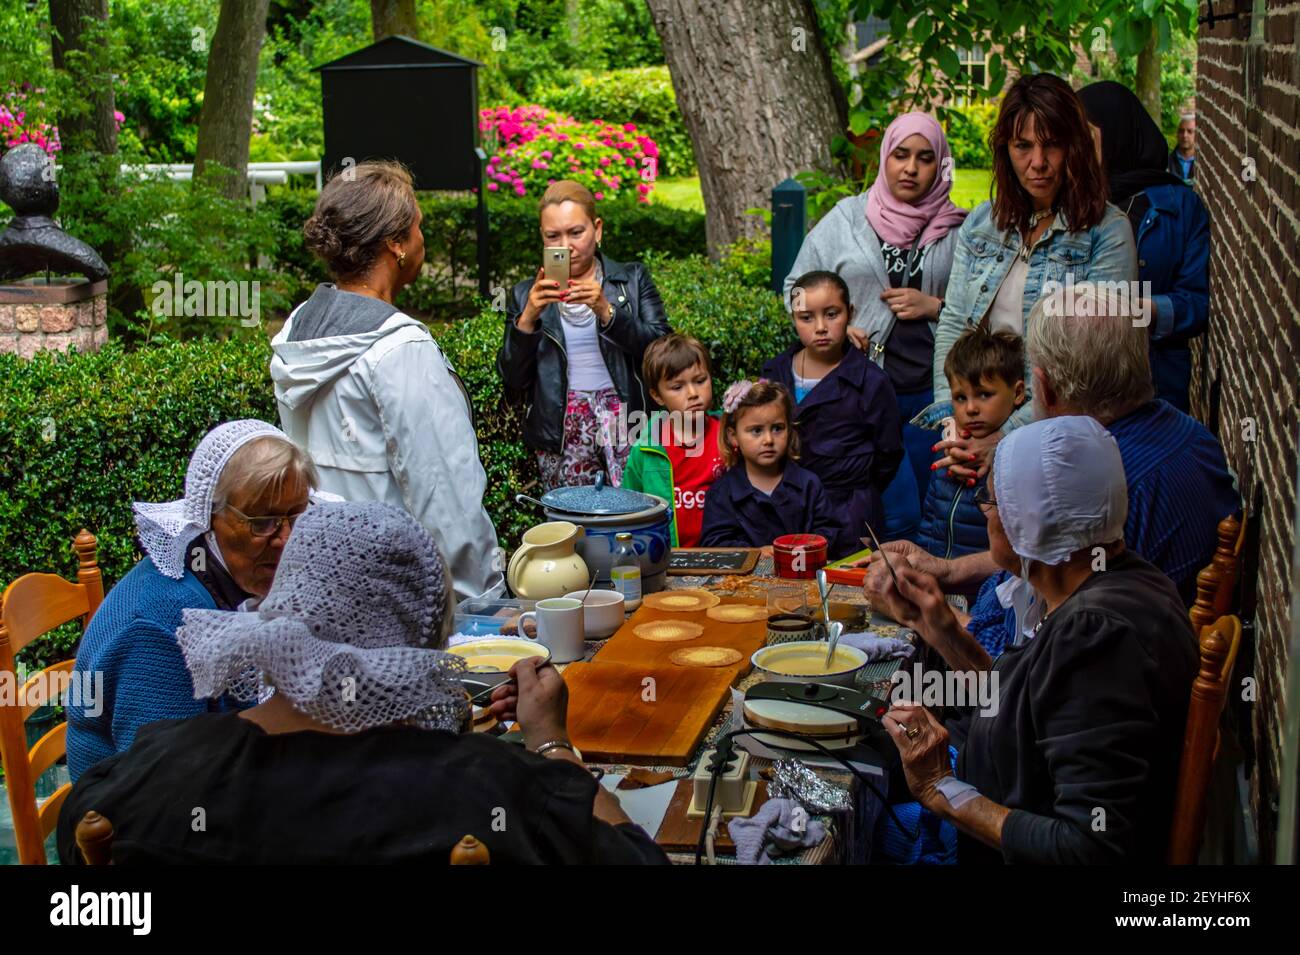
x: 985, y: 371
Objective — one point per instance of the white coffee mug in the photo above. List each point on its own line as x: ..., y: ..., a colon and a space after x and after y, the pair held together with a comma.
x: 559, y: 623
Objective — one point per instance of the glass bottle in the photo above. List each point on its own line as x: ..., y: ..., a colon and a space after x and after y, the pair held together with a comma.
x: 626, y: 571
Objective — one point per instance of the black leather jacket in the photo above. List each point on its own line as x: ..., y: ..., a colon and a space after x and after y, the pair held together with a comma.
x: 534, y: 366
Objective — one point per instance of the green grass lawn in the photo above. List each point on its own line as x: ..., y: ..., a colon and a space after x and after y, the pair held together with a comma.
x: 679, y: 193
x: 969, y: 189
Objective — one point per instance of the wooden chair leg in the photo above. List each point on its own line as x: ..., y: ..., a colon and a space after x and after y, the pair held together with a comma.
x: 95, y: 839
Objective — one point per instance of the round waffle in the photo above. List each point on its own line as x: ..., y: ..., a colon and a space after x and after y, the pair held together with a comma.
x: 681, y: 601
x: 668, y: 631
x: 736, y: 613
x: 705, y: 656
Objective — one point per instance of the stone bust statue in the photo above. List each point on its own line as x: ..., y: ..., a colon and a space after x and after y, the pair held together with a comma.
x: 33, y: 242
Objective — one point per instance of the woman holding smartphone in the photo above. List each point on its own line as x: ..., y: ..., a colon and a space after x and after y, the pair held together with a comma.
x: 573, y: 346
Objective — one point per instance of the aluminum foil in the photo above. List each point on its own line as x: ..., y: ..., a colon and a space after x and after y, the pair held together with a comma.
x: 791, y: 779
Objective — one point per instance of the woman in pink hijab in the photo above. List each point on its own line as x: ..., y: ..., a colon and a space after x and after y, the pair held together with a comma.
x: 893, y: 246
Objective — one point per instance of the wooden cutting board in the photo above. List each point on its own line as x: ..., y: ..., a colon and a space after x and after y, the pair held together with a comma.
x: 643, y: 714
x: 626, y: 647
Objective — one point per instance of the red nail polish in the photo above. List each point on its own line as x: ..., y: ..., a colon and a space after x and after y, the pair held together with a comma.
x: 935, y: 466
x: 965, y: 434
x: 934, y: 448
x: 970, y: 482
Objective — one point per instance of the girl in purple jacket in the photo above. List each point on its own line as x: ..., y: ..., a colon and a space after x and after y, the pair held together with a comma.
x: 764, y: 494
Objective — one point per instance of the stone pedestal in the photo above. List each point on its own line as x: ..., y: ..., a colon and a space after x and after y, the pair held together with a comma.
x: 38, y: 317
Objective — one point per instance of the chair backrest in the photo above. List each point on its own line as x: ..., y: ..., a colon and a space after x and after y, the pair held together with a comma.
x: 1219, y: 644
x: 1216, y: 584
x: 31, y: 606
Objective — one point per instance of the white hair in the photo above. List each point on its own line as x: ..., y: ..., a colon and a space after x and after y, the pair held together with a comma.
x: 1092, y: 353
x: 263, y: 464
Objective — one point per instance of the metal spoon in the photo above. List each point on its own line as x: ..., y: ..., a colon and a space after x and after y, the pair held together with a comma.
x: 833, y: 631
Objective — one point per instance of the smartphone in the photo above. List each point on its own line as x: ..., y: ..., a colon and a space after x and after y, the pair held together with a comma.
x: 556, y: 264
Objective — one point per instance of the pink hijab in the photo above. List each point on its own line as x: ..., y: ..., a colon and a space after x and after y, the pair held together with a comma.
x: 898, y: 222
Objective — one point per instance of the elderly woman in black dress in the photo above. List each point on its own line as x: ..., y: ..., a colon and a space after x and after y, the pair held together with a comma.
x: 1076, y: 759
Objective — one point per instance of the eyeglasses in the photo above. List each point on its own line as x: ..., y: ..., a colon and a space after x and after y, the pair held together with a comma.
x: 266, y: 526
x: 982, y: 497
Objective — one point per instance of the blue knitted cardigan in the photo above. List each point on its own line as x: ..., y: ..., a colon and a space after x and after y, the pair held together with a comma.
x: 132, y: 641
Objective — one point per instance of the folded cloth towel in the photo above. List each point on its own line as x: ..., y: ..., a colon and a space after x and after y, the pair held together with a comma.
x: 779, y: 826
x: 877, y: 647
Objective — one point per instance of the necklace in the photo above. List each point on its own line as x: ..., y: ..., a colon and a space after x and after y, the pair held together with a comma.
x: 1034, y: 218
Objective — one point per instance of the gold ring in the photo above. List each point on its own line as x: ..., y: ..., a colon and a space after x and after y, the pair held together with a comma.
x: 913, y: 732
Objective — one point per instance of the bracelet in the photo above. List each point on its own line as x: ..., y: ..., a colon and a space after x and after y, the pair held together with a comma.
x: 557, y: 744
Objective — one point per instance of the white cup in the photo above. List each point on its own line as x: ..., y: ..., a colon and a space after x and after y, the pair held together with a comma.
x: 602, y: 612
x: 559, y: 627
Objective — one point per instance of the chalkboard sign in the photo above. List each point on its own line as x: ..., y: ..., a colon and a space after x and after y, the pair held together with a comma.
x: 712, y: 560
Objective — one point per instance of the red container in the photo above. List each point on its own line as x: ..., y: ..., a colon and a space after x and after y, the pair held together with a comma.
x: 799, y: 556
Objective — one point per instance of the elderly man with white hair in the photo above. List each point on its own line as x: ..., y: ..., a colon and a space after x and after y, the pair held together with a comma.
x: 1090, y: 358
x: 215, y: 548
x: 1091, y: 699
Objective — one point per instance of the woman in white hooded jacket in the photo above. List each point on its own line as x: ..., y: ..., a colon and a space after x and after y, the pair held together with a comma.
x: 364, y: 388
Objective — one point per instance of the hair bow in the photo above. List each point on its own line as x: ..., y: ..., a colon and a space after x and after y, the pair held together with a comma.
x: 734, y: 395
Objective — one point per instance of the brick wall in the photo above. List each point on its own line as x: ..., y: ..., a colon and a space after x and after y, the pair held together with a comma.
x: 1248, y: 104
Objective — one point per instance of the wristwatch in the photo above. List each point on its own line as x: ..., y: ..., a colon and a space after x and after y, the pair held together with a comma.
x: 609, y: 316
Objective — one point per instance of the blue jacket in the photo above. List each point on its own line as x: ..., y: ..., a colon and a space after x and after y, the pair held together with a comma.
x: 851, y: 435
x: 1179, y: 488
x: 736, y: 514
x: 131, y: 641
x: 952, y: 524
x: 1173, y: 243
x: 1104, y: 253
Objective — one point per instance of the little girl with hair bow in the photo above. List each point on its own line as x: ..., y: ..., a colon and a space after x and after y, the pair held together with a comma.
x: 764, y: 494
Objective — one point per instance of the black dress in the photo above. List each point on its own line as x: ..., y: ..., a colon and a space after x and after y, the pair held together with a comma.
x: 217, y: 789
x: 1085, y: 744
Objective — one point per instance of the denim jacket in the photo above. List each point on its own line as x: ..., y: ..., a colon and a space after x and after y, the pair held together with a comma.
x: 984, y: 255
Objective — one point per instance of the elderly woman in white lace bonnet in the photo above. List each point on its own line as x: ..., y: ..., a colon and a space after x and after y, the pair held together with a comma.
x: 357, y: 756
x: 1069, y: 741
x: 215, y: 548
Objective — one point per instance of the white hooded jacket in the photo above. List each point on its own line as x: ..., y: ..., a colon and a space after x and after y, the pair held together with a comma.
x: 366, y: 391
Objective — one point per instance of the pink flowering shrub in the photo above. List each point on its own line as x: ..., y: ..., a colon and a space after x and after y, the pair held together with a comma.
x: 535, y: 146
x: 18, y: 125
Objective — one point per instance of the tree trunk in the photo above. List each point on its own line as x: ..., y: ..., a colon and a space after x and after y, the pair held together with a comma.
x: 755, y: 89
x: 226, y: 120
x: 394, y: 18
x: 83, y: 131
x: 1148, y: 77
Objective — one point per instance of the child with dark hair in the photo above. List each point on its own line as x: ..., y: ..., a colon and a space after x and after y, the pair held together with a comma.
x: 985, y: 371
x: 847, y: 415
x: 764, y: 494
x: 678, y: 456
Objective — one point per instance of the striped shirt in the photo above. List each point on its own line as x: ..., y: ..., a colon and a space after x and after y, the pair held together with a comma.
x: 1179, y: 488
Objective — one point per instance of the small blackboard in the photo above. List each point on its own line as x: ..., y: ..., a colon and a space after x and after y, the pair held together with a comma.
x: 712, y: 560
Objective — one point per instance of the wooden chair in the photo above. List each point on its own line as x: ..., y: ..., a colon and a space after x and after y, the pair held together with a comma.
x: 1216, y: 584
x: 31, y: 606
x: 1220, y: 638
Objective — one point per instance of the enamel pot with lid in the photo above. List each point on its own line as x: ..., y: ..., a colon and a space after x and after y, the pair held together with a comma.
x: 604, y: 512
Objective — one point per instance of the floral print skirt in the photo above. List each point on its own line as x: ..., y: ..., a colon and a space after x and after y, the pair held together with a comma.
x: 591, y: 430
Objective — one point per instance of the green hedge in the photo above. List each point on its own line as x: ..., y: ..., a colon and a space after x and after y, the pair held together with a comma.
x: 642, y: 95
x: 633, y: 230
x: 82, y: 436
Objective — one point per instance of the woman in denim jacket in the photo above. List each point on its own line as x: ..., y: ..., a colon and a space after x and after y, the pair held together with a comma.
x: 1049, y: 225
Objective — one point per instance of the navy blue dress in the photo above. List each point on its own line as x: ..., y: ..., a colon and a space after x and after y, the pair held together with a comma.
x: 737, y: 514
x: 851, y: 435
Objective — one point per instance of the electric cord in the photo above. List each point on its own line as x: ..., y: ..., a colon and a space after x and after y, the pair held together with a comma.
x: 724, y: 748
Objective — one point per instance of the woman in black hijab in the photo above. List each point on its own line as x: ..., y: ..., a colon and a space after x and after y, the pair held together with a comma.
x: 1170, y: 226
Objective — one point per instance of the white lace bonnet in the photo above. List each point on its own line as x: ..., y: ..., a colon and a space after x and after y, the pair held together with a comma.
x: 166, y: 529
x: 349, y: 631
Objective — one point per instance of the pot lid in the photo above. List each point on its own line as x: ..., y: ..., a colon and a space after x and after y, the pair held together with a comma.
x: 598, y: 498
